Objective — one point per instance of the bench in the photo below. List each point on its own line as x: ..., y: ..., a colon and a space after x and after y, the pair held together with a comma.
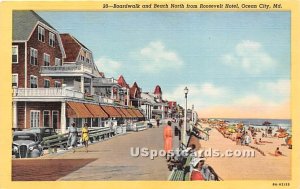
x: 181, y: 175
x: 176, y: 175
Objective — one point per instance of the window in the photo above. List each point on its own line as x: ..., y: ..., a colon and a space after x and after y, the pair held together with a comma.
x: 46, y: 118
x: 33, y: 81
x: 57, y: 84
x: 34, y: 118
x: 15, y: 54
x: 33, y: 56
x: 15, y: 80
x: 81, y: 58
x: 41, y: 34
x: 55, y: 119
x: 87, y: 60
x: 46, y: 59
x: 57, y: 62
x: 51, y: 39
x: 46, y: 83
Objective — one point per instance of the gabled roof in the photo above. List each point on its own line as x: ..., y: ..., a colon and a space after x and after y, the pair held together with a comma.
x: 157, y: 90
x: 122, y: 82
x: 24, y: 22
x: 71, y: 47
x: 135, y: 91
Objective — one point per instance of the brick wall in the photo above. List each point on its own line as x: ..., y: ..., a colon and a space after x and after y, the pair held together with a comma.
x: 20, y: 67
x: 42, y: 47
x: 41, y: 106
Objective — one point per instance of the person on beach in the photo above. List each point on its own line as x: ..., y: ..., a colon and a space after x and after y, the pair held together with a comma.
x: 238, y: 138
x: 247, y: 139
x: 278, y: 152
x: 72, y: 138
x: 202, y: 171
x: 85, y: 136
x: 168, y: 137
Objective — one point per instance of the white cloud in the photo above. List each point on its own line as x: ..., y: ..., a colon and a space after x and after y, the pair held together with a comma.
x: 108, y: 66
x: 252, y: 100
x: 156, y: 57
x: 250, y: 56
x: 281, y: 87
x: 199, y: 94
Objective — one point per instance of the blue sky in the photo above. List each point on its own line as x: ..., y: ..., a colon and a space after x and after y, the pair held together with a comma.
x: 231, y: 61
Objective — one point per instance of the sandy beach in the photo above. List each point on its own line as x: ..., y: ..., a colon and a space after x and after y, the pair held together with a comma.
x: 259, y: 167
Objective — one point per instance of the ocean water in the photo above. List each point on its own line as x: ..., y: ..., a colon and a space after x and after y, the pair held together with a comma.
x: 279, y: 122
x: 283, y: 123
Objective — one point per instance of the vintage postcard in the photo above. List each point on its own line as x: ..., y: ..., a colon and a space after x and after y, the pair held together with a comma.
x: 149, y: 94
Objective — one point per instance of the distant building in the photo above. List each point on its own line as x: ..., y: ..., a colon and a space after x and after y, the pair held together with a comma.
x: 135, y: 95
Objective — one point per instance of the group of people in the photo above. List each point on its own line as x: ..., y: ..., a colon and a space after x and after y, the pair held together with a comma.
x: 73, y: 136
x: 199, y: 170
x: 243, y: 138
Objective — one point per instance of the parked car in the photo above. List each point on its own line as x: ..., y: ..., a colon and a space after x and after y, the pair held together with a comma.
x: 26, y: 144
x: 42, y: 131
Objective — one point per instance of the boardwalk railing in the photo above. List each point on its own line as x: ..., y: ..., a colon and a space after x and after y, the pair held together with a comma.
x: 138, y: 126
x: 52, y: 143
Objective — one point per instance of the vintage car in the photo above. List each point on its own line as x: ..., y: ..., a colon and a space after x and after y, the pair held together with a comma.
x: 42, y: 132
x: 26, y: 144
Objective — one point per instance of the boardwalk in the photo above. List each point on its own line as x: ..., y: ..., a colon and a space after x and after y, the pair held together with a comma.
x: 108, y: 160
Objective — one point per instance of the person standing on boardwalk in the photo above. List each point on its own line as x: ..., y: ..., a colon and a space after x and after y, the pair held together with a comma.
x: 72, y: 138
x: 85, y: 136
x: 157, y: 122
x: 168, y: 137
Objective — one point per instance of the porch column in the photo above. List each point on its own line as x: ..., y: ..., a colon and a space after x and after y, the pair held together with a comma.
x: 112, y: 92
x: 128, y: 96
x: 15, y: 116
x: 91, y: 86
x: 82, y: 84
x: 163, y: 112
x: 63, y: 126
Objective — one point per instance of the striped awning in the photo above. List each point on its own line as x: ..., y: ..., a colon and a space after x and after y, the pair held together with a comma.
x: 96, y: 110
x: 120, y: 112
x: 138, y: 113
x: 78, y: 110
x: 111, y: 111
x: 132, y: 112
x: 125, y: 111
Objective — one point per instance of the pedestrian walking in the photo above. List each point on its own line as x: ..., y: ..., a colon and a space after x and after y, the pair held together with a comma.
x: 85, y: 136
x: 168, y: 137
x: 72, y: 138
x: 157, y: 122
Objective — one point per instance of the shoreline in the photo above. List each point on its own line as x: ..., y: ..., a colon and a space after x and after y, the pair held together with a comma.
x: 260, y: 167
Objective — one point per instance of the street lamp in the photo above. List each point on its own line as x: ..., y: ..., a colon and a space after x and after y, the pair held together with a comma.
x: 186, y: 91
x: 193, y: 118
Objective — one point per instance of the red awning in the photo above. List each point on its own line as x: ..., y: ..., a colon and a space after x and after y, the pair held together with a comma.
x: 132, y: 113
x: 96, y: 110
x: 111, y: 111
x: 125, y: 111
x: 138, y: 113
x: 78, y: 110
x: 120, y: 112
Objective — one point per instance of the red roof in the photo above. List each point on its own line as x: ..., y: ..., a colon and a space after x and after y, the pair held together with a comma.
x: 122, y: 82
x: 157, y: 90
x: 72, y: 47
x: 135, y: 91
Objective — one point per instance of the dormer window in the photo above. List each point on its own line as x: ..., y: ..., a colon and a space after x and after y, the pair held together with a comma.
x: 51, y: 39
x: 41, y: 34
